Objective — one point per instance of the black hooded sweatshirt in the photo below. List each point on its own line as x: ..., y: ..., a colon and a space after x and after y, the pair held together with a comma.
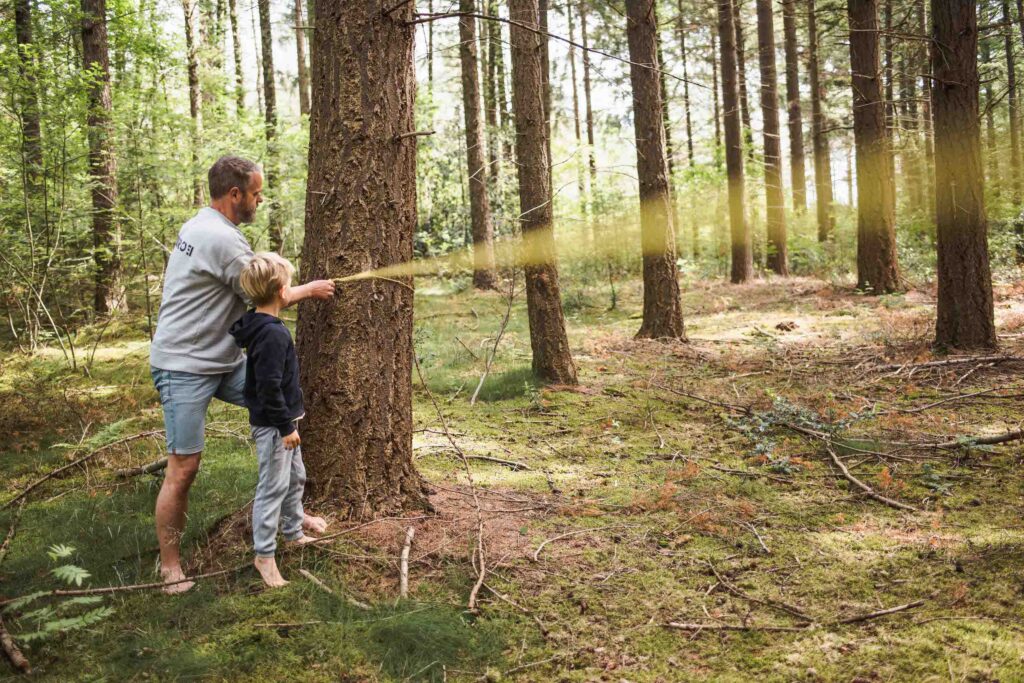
x: 272, y: 392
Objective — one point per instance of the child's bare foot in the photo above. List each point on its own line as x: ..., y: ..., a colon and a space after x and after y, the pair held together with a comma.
x: 317, y: 525
x: 267, y: 567
x: 302, y: 540
x: 174, y: 578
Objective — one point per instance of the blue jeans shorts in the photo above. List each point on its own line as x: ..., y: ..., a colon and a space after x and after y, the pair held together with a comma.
x: 185, y: 397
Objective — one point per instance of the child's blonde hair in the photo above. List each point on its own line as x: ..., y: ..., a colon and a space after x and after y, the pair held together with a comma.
x: 264, y: 276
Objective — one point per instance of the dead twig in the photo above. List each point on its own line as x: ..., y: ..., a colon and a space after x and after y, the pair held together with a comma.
x: 767, y: 602
x: 536, y: 553
x: 682, y: 626
x: 870, y: 492
x: 155, y: 466
x: 327, y: 589
x: 11, y: 532
x: 13, y: 652
x: 403, y: 568
x: 968, y: 441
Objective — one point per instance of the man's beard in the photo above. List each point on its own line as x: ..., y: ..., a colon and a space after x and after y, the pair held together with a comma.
x: 246, y: 215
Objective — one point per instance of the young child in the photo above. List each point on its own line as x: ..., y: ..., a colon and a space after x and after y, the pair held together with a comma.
x: 274, y: 399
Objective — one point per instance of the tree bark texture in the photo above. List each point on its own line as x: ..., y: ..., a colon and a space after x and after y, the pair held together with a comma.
x: 819, y: 138
x: 681, y: 33
x: 236, y: 49
x: 741, y: 72
x: 798, y: 177
x: 778, y: 258
x: 28, y: 98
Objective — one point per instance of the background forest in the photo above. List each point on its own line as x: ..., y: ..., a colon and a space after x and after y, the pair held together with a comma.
x: 800, y: 485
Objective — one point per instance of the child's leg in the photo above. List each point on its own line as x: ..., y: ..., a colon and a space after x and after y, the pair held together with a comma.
x: 271, y: 489
x: 291, y: 510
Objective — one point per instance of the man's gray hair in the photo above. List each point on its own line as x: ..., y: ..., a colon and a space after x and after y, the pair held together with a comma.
x: 228, y: 172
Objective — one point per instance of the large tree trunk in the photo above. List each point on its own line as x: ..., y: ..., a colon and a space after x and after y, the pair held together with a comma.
x: 739, y: 229
x: 28, y: 99
x: 552, y: 361
x: 681, y: 33
x: 102, y: 162
x: 964, y: 312
x: 663, y: 313
x: 795, y: 116
x: 484, y: 276
x: 270, y: 128
x: 236, y: 49
x: 877, y: 265
x: 819, y: 138
x: 356, y: 350
x: 591, y: 156
x: 194, y: 99
x: 300, y: 55
x: 778, y: 259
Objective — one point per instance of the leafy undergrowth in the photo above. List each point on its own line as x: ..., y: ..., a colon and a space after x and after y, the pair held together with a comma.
x: 667, y: 488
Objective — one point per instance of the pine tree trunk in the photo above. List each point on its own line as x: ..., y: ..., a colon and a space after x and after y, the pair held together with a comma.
x: 992, y: 149
x: 739, y: 230
x: 741, y: 66
x: 717, y: 109
x: 102, y: 162
x: 484, y: 276
x: 887, y: 54
x: 926, y: 111
x: 591, y: 156
x: 877, y: 264
x: 270, y: 128
x: 666, y: 115
x: 681, y: 34
x: 194, y: 99
x: 778, y: 257
x: 1012, y: 101
x: 498, y: 58
x: 964, y: 312
x: 663, y: 313
x: 819, y: 138
x: 542, y: 6
x: 300, y: 55
x: 236, y: 49
x: 492, y: 31
x: 577, y: 129
x: 795, y: 115
x: 28, y: 99
x: 552, y: 361
x: 356, y: 350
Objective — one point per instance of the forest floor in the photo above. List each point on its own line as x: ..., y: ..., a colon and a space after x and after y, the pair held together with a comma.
x: 693, y: 484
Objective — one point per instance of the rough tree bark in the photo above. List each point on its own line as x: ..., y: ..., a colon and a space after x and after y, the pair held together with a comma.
x: 877, y: 264
x: 484, y: 276
x: 552, y: 361
x: 739, y: 230
x: 300, y: 56
x: 681, y: 33
x: 819, y: 138
x: 356, y: 350
x: 795, y: 115
x: 270, y: 128
x: 194, y: 99
x: 663, y: 312
x: 236, y: 49
x: 102, y: 162
x: 964, y: 312
x: 778, y: 258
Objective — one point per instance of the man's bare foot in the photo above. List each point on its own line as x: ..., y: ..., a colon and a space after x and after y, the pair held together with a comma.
x: 303, y: 540
x: 317, y: 525
x: 173, y: 576
x: 267, y: 567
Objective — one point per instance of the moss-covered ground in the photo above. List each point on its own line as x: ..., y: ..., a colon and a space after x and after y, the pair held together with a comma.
x: 656, y: 506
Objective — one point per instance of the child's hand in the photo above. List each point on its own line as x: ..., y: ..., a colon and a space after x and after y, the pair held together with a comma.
x: 292, y: 440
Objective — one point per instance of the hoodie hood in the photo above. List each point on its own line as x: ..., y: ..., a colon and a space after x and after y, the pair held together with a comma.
x: 250, y: 326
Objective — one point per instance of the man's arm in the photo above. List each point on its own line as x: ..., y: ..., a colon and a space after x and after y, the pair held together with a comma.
x: 316, y: 289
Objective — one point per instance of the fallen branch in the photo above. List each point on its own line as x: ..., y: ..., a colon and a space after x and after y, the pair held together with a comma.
x: 11, y: 532
x: 767, y: 602
x: 870, y: 492
x: 949, y: 361
x: 327, y: 589
x: 76, y: 463
x: 536, y: 553
x: 875, y: 615
x: 403, y: 567
x: 540, y: 624
x: 969, y: 441
x: 18, y: 660
x: 683, y: 626
x: 155, y: 466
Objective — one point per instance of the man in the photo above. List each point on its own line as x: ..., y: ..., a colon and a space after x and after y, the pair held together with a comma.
x: 193, y: 358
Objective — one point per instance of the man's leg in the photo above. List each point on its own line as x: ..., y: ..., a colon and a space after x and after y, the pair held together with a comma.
x: 171, y: 510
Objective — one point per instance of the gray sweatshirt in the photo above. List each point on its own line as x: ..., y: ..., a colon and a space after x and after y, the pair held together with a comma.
x: 202, y: 297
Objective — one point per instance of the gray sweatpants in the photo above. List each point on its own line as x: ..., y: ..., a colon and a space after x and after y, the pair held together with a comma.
x: 282, y: 478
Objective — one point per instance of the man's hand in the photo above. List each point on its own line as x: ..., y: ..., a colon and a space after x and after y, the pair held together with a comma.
x: 317, y: 289
x: 292, y: 440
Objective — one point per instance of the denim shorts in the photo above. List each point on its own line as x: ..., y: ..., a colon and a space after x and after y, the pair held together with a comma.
x: 185, y: 397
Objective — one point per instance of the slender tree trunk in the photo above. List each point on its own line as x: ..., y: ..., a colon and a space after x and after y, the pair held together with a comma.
x: 741, y: 66
x: 795, y: 116
x: 877, y: 264
x: 106, y: 232
x: 236, y: 48
x: 663, y: 313
x: 492, y: 31
x: 300, y: 55
x: 1011, y: 98
x: 887, y: 55
x: 552, y: 361
x: 356, y: 350
x: 964, y: 313
x: 926, y: 110
x: 681, y: 33
x: 819, y: 138
x: 194, y: 100
x: 739, y: 229
x: 580, y: 175
x: 270, y: 127
x: 498, y: 57
x: 992, y: 149
x: 484, y: 276
x: 591, y: 156
x: 546, y: 81
x: 778, y: 258
x: 717, y: 109
x: 666, y: 115
x: 430, y: 46
x: 28, y: 98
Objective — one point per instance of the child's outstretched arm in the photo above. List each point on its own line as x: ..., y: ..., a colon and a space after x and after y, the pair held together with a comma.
x: 316, y: 289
